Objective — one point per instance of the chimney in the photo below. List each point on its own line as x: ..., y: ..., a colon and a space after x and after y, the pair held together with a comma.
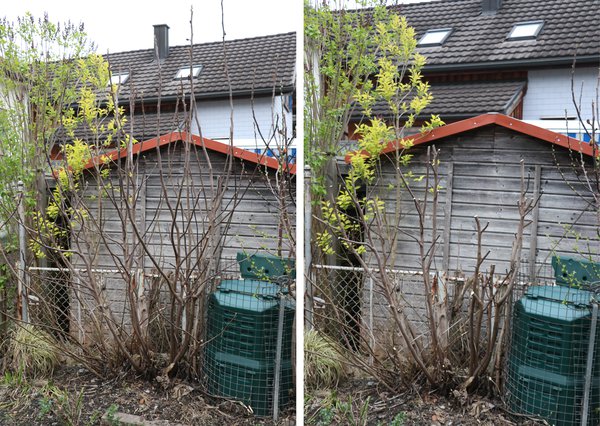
x: 490, y: 6
x: 161, y: 40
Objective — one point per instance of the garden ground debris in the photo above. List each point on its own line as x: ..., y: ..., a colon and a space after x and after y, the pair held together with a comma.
x: 75, y: 396
x: 362, y: 402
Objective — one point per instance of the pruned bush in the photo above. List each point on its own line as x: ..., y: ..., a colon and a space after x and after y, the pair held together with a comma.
x: 31, y: 351
x: 323, y: 367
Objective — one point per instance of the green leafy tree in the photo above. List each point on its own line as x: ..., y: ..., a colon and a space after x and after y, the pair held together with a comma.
x: 355, y: 59
x: 52, y: 86
x: 57, y: 111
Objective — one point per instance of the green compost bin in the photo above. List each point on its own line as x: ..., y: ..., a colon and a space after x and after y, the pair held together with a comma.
x: 266, y: 267
x: 547, y: 360
x: 240, y: 354
x: 575, y: 272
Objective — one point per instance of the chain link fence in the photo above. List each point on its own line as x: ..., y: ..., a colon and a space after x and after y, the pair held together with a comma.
x: 353, y: 306
x: 552, y: 356
x: 245, y: 325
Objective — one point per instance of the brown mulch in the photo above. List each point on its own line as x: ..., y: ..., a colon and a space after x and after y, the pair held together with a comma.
x: 176, y: 402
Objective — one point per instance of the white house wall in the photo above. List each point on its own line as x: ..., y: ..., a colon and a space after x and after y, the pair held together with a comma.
x: 549, y: 93
x: 214, y: 119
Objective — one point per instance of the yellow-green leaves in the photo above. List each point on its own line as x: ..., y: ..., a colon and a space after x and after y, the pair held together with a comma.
x: 53, y: 88
x: 361, y: 62
x: 434, y: 122
x: 77, y: 155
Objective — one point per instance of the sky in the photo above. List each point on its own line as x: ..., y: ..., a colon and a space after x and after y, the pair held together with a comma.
x: 127, y: 24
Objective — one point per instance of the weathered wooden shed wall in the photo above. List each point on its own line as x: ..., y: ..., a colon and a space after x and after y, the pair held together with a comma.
x: 480, y: 176
x: 246, y: 217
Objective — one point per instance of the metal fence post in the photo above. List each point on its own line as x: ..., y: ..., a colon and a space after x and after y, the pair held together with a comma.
x: 278, y: 347
x: 80, y: 332
x: 589, y: 365
x: 308, y: 300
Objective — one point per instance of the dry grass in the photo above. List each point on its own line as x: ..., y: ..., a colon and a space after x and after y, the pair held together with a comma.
x: 323, y: 367
x: 31, y: 351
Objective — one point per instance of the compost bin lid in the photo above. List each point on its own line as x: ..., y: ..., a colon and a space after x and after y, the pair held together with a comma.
x: 565, y: 295
x: 575, y: 272
x: 562, y: 304
x: 265, y: 267
x: 255, y: 288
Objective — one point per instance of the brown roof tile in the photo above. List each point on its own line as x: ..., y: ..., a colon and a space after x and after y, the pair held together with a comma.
x: 259, y: 64
x: 459, y: 100
x: 570, y: 27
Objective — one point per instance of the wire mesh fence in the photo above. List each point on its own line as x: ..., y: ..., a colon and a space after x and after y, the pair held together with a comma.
x: 248, y: 355
x: 243, y: 326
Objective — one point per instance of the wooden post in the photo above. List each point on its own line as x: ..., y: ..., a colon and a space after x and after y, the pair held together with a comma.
x: 447, y: 219
x: 534, y: 224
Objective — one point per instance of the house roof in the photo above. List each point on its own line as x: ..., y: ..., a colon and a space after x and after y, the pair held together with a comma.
x: 490, y: 119
x: 145, y: 126
x: 460, y: 100
x: 168, y: 138
x: 254, y: 65
x: 480, y: 39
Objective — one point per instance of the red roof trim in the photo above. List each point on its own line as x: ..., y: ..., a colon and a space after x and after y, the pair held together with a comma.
x: 210, y: 144
x: 501, y: 120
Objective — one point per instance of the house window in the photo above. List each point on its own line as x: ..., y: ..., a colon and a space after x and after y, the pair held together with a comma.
x: 435, y: 37
x: 525, y: 30
x: 117, y: 79
x: 187, y: 72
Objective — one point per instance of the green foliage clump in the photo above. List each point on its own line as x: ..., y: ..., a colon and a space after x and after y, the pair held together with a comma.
x: 356, y: 59
x: 349, y: 411
x: 66, y: 406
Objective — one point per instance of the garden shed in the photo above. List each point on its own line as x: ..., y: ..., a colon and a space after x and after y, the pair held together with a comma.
x: 480, y: 165
x: 163, y: 223
x: 480, y: 172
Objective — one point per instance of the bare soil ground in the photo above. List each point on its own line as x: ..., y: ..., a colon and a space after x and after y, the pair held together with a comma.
x: 360, y: 402
x: 82, y: 399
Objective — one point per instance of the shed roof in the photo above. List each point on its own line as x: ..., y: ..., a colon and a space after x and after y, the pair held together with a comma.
x: 212, y: 145
x: 491, y: 119
x: 249, y: 66
x: 480, y: 39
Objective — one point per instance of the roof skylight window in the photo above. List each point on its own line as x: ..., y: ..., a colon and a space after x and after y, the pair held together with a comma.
x: 525, y: 30
x: 116, y: 79
x: 186, y: 72
x: 435, y: 37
